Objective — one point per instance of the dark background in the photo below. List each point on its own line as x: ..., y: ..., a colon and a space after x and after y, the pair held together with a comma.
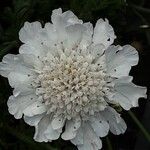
x: 128, y: 20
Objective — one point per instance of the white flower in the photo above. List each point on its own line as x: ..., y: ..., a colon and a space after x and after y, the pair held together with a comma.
x: 68, y: 74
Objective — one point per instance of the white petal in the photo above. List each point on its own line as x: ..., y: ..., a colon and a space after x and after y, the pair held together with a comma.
x: 103, y: 33
x: 55, y: 14
x: 127, y: 93
x: 100, y: 126
x: 78, y: 140
x: 34, y: 120
x: 116, y: 123
x: 16, y: 105
x: 29, y: 32
x: 35, y: 109
x: 51, y: 33
x: 87, y: 36
x: 36, y: 49
x: 8, y: 64
x: 125, y: 79
x: 59, y: 24
x: 74, y: 35
x: 52, y: 134
x: 18, y: 79
x: 71, y: 128
x: 120, y: 59
x: 96, y: 50
x: 11, y: 63
x: 39, y: 135
x: 91, y: 140
x: 65, y: 19
x: 32, y: 61
x: 23, y: 90
x: 70, y: 18
x: 44, y: 131
x: 69, y: 29
x: 58, y: 122
x: 66, y: 26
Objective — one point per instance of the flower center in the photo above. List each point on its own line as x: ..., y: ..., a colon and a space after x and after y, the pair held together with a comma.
x: 73, y: 84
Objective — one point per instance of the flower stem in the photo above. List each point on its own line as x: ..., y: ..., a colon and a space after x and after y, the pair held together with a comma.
x: 140, y: 125
x: 109, y: 144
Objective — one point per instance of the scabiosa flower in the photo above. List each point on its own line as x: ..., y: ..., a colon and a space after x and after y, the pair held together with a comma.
x: 68, y: 79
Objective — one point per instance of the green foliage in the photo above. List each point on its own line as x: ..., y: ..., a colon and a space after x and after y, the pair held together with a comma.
x: 125, y: 17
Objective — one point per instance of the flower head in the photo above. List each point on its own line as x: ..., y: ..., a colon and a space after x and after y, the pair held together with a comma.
x: 68, y: 78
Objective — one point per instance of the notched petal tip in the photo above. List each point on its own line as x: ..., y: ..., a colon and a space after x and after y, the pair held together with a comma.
x: 128, y: 94
x: 29, y: 31
x: 44, y: 131
x: 120, y: 60
x: 103, y: 33
x: 12, y: 108
x: 116, y: 123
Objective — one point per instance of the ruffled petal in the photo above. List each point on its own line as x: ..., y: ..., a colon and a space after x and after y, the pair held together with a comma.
x: 34, y: 120
x: 55, y: 14
x: 99, y: 125
x: 90, y: 140
x: 11, y: 63
x: 127, y: 94
x: 71, y: 128
x: 29, y: 32
x: 16, y: 105
x: 39, y: 135
x: 35, y: 109
x: 68, y: 28
x: 33, y: 62
x: 74, y: 34
x: 78, y: 140
x: 120, y: 59
x: 58, y: 122
x: 36, y: 49
x: 103, y: 33
x: 87, y: 36
x: 23, y: 90
x: 116, y: 123
x: 70, y: 18
x: 17, y: 80
x: 44, y: 131
x: 64, y: 19
x: 52, y: 134
x: 96, y: 50
x: 51, y: 34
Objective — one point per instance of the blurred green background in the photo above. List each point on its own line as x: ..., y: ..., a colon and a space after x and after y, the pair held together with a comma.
x: 130, y: 20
